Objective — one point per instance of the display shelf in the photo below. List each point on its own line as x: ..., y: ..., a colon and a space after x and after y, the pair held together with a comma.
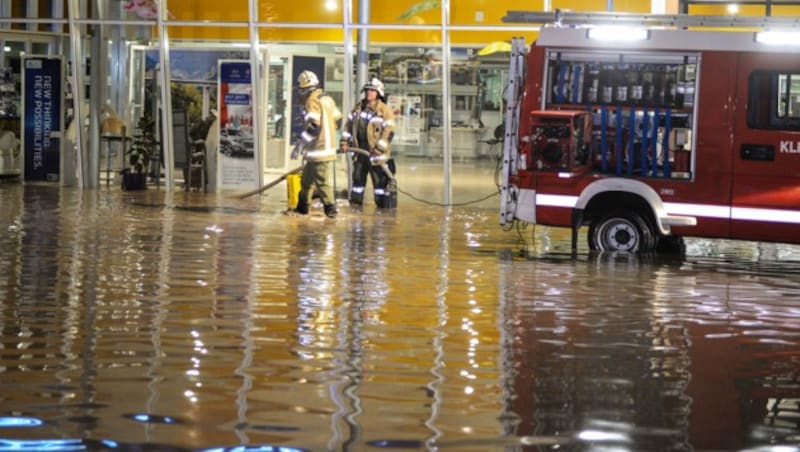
x: 10, y: 95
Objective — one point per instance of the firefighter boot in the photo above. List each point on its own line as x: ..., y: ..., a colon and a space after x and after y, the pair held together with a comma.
x: 380, y: 200
x: 302, y: 203
x: 386, y: 198
x: 386, y: 201
x: 356, y: 196
x: 330, y: 210
x: 391, y: 199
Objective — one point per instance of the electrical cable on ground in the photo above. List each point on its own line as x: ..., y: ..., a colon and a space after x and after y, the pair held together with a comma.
x: 460, y: 204
x: 457, y: 204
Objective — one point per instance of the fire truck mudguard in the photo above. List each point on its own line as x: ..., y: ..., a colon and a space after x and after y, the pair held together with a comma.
x: 636, y: 223
x: 661, y: 218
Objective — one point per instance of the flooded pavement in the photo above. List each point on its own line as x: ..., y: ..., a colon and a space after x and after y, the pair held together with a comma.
x: 153, y: 321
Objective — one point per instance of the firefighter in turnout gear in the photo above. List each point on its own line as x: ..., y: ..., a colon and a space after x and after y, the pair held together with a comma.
x: 317, y: 143
x: 370, y: 126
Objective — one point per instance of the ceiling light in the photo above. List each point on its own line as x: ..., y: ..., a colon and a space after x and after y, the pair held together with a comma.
x: 733, y: 8
x: 330, y: 5
x: 618, y: 34
x: 787, y: 38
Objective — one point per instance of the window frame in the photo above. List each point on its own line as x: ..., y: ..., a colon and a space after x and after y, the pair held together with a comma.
x: 764, y: 110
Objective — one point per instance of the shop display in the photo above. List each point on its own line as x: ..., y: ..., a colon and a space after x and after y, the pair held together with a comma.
x: 10, y: 144
x: 9, y: 93
x: 413, y: 84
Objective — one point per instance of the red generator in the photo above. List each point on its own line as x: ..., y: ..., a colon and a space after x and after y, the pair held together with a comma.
x: 560, y: 139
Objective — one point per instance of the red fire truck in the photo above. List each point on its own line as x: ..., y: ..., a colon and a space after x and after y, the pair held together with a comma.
x: 681, y: 133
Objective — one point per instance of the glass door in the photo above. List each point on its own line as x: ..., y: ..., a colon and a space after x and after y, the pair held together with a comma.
x: 278, y: 115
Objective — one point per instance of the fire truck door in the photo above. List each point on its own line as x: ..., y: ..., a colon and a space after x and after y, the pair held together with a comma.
x: 766, y: 149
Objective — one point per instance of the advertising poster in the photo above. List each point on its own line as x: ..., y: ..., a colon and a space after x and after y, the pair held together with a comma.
x: 41, y: 115
x: 195, y: 75
x: 237, y: 163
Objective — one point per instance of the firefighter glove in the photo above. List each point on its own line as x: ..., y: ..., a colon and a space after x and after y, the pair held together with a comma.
x: 297, y: 151
x: 377, y: 158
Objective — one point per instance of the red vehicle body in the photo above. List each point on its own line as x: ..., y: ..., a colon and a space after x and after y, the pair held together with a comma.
x: 687, y: 133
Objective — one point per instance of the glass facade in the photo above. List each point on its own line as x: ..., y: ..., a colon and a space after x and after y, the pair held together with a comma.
x: 444, y: 65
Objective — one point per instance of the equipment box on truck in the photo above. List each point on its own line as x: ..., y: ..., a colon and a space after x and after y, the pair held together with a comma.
x: 691, y: 133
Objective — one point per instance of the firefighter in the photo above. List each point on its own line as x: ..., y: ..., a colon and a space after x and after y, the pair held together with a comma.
x: 317, y: 143
x: 370, y: 126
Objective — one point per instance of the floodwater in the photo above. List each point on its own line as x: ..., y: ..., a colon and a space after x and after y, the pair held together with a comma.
x: 183, y: 321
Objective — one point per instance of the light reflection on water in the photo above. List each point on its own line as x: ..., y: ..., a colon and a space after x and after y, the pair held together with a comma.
x: 192, y: 322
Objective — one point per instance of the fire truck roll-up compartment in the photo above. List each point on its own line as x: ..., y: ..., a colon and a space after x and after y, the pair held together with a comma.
x: 685, y: 133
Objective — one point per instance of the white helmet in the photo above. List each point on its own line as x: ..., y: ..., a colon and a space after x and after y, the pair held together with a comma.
x: 307, y: 79
x: 376, y: 85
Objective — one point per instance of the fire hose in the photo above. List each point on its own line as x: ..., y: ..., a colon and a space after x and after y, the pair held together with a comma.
x: 374, y: 158
x: 271, y: 184
x: 265, y: 187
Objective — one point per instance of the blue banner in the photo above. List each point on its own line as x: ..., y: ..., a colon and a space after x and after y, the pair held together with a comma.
x: 235, y: 72
x: 41, y: 97
x: 237, y: 99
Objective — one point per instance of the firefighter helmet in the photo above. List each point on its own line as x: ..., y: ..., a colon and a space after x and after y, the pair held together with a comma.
x: 376, y: 85
x: 307, y: 79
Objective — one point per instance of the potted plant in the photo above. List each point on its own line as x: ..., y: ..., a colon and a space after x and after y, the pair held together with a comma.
x: 134, y: 177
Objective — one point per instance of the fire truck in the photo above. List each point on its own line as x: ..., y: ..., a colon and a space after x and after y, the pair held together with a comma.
x: 678, y: 133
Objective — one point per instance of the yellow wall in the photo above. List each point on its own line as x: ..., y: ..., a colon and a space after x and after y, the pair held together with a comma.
x: 744, y: 10
x: 628, y: 6
x: 462, y: 12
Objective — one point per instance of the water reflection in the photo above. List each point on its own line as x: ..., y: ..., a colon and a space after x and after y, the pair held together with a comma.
x: 679, y: 354
x: 596, y: 361
x: 177, y: 321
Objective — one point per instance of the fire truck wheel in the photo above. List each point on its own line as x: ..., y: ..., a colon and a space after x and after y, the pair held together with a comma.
x: 622, y: 230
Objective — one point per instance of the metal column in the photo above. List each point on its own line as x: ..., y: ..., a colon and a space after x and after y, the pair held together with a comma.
x: 5, y: 11
x: 446, y: 101
x: 166, y: 98
x: 32, y: 12
x: 257, y: 101
x: 347, y: 93
x: 57, y: 11
x: 97, y: 93
x: 76, y: 79
x: 362, y: 73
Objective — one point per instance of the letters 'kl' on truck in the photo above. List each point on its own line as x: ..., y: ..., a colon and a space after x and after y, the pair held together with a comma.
x: 686, y: 133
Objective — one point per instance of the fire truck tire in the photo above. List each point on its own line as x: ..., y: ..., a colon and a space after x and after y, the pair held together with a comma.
x: 621, y: 230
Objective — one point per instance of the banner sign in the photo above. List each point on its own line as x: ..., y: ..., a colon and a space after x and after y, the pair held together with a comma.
x: 42, y: 94
x: 237, y: 166
x: 407, y: 119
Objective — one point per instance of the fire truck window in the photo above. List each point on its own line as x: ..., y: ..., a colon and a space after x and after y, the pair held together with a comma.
x: 774, y: 100
x: 788, y: 95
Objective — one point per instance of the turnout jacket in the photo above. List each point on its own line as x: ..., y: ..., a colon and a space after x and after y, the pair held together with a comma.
x: 321, y: 120
x: 376, y: 124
